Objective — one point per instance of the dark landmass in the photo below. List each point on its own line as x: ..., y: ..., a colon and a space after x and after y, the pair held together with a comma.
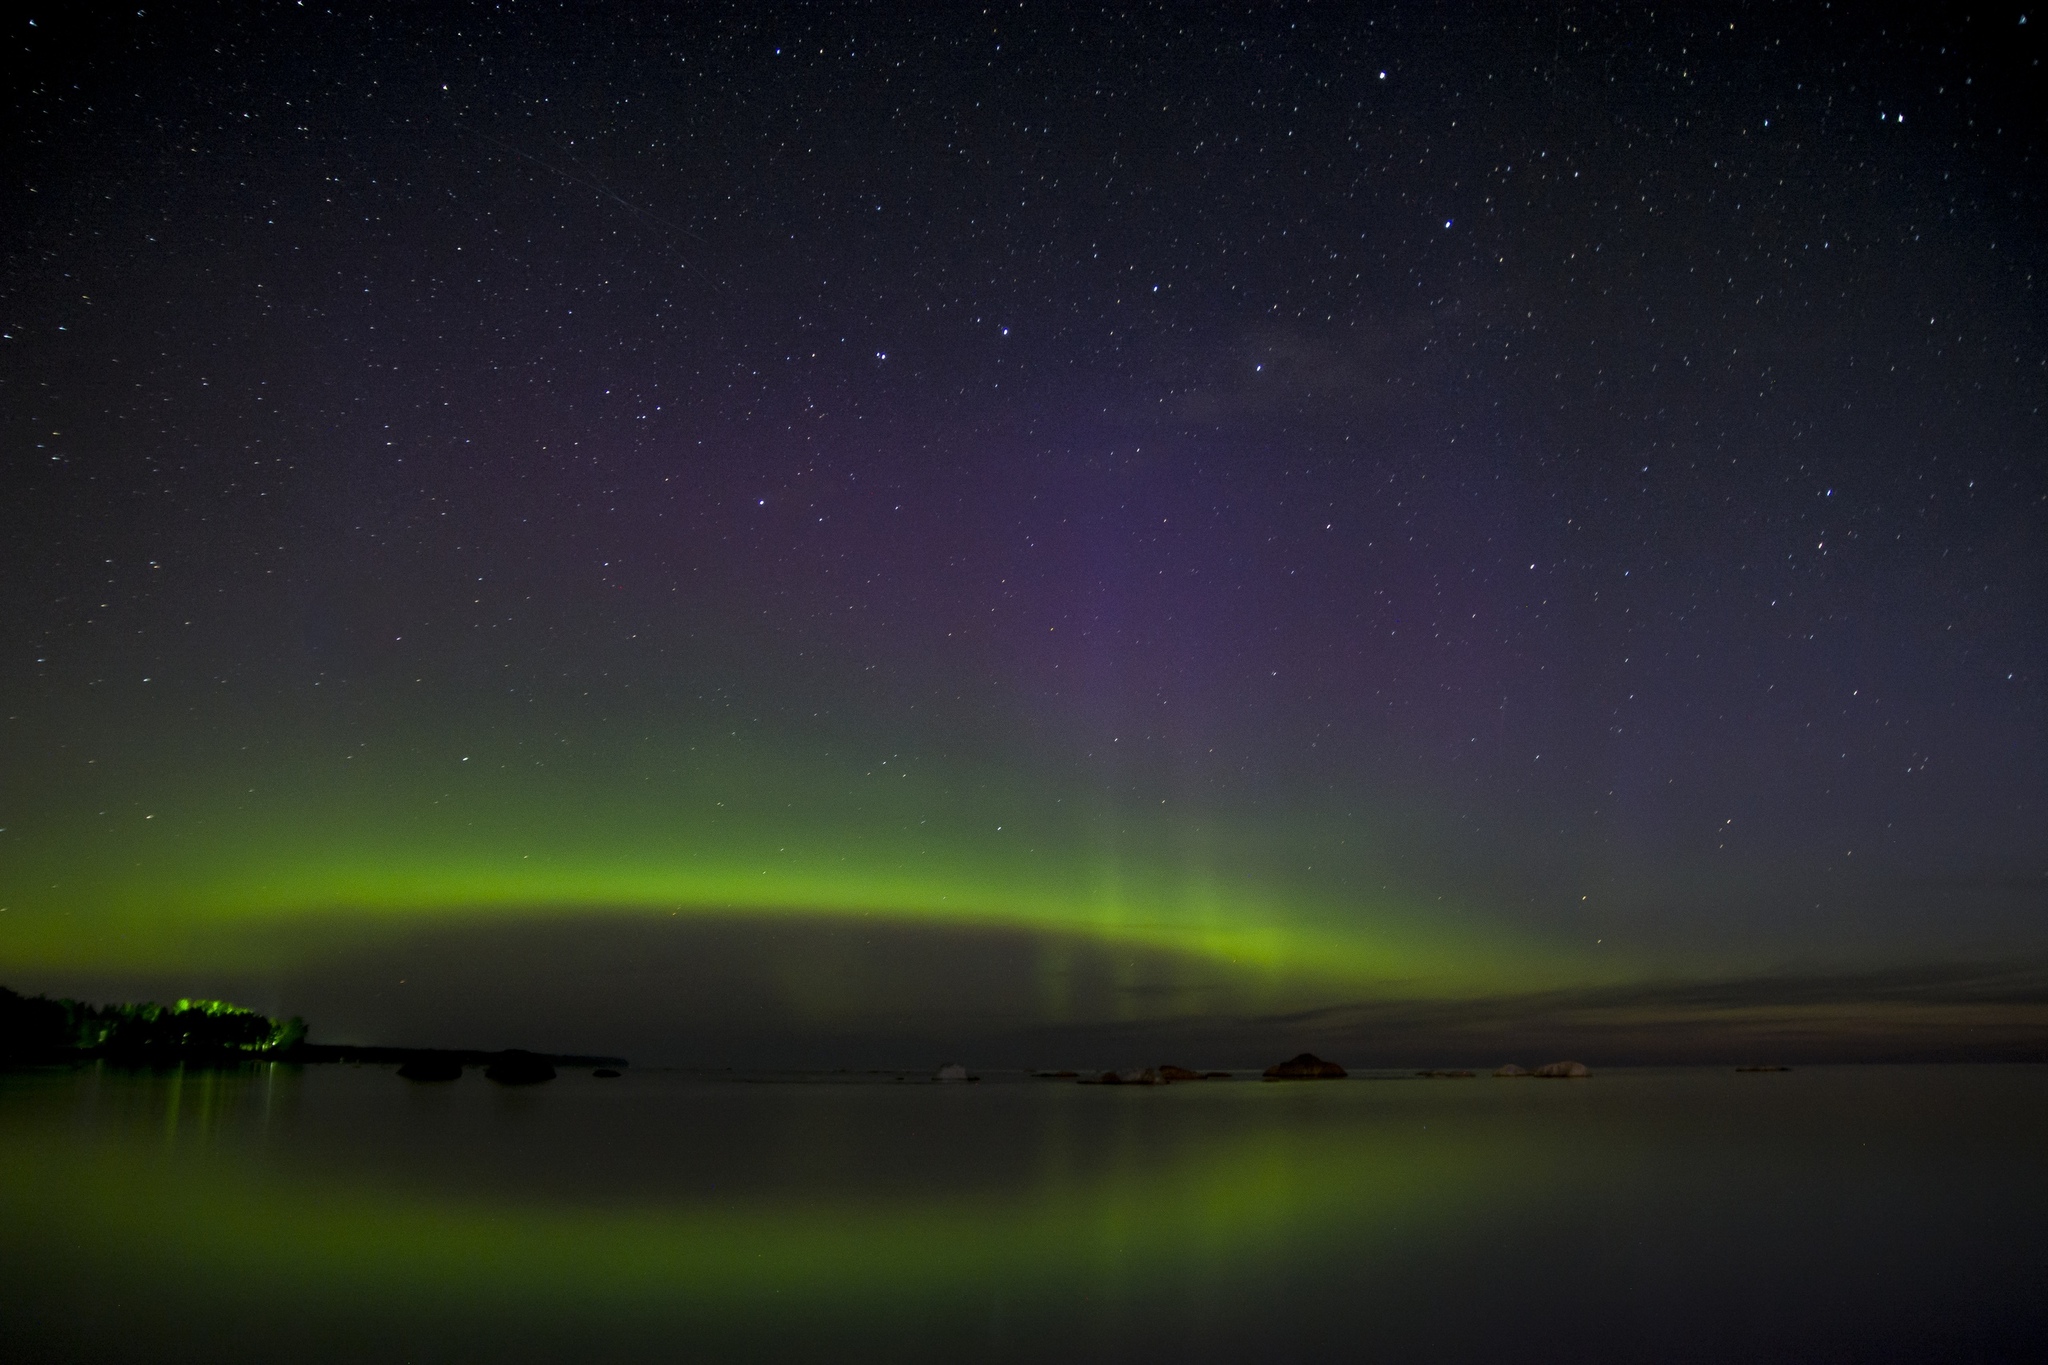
x: 403, y: 1056
x: 1136, y: 1075
x: 516, y: 1066
x: 1305, y: 1067
x: 36, y: 1030
x: 1561, y: 1071
x: 1149, y: 1075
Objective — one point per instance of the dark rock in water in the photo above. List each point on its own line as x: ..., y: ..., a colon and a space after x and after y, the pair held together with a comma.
x: 1178, y: 1073
x: 1141, y: 1075
x: 1562, y: 1071
x: 516, y: 1066
x: 1763, y: 1068
x: 605, y: 1073
x: 1510, y: 1070
x: 428, y: 1067
x: 1306, y: 1067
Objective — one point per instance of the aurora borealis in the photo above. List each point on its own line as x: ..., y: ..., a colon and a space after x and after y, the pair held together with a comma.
x: 1311, y: 509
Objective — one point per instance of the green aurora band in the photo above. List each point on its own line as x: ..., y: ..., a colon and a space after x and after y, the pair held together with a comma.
x: 153, y: 860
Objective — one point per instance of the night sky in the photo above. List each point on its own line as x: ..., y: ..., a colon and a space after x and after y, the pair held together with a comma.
x: 827, y: 528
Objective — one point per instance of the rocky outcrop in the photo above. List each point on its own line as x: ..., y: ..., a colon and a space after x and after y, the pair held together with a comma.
x: 1178, y: 1073
x: 1558, y: 1071
x: 1305, y: 1067
x: 516, y: 1066
x: 1510, y: 1070
x: 952, y: 1073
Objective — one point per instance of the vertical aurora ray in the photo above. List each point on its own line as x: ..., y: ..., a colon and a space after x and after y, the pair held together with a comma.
x: 214, y: 865
x: 796, y: 493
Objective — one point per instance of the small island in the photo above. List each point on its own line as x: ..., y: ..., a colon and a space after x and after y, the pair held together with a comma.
x: 1305, y: 1067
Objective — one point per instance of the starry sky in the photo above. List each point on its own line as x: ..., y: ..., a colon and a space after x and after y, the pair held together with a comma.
x: 865, y: 522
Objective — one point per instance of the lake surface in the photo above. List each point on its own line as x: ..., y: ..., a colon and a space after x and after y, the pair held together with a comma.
x: 339, y: 1213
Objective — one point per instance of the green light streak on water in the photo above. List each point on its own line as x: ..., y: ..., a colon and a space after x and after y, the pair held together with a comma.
x: 340, y: 1214
x: 210, y: 1214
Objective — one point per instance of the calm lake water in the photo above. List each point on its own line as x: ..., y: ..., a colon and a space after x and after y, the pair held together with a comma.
x: 338, y: 1213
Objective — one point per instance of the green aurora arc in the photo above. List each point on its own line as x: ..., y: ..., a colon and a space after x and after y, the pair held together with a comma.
x: 147, y: 862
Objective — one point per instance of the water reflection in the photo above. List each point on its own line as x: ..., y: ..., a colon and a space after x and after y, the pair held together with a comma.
x: 337, y: 1212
